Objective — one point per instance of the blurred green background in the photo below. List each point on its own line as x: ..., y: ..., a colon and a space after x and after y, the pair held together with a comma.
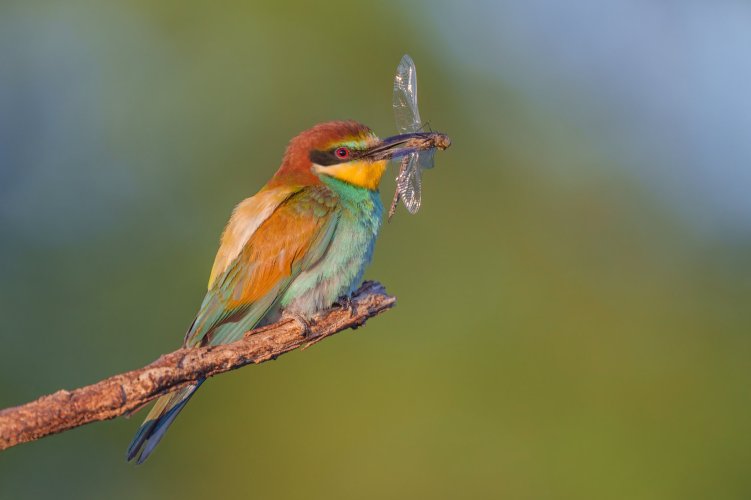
x: 573, y: 316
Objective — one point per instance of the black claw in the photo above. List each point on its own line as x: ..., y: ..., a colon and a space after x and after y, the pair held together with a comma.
x: 347, y: 303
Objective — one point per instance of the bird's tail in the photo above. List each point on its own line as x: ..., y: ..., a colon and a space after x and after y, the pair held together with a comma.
x: 158, y: 421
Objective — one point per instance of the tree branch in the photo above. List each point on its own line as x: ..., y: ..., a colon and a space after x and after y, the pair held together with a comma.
x: 128, y: 392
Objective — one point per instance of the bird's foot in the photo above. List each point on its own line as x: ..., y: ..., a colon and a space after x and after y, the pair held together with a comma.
x: 304, y: 322
x: 346, y: 302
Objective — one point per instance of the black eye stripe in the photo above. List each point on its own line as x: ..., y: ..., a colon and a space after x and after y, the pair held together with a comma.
x: 326, y: 158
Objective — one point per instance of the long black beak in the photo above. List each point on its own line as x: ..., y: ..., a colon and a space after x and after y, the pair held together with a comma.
x: 401, y: 145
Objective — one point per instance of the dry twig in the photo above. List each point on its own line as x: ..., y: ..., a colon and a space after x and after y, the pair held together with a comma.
x: 128, y: 392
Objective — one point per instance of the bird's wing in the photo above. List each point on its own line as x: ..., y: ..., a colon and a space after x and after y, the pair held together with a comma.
x: 292, y: 238
x: 246, y: 217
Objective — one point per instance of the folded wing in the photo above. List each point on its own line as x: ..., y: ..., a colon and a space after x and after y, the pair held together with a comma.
x: 291, y: 239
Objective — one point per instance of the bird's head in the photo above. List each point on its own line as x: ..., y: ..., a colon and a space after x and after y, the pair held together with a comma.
x: 344, y: 150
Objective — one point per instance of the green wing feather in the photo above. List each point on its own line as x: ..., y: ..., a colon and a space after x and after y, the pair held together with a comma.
x: 291, y: 240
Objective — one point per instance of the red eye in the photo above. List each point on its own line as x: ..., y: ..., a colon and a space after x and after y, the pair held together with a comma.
x: 342, y: 153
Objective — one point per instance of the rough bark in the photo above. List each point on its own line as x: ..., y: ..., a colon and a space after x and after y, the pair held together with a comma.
x: 128, y: 392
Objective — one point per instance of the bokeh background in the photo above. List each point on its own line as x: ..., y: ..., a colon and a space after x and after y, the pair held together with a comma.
x: 573, y: 317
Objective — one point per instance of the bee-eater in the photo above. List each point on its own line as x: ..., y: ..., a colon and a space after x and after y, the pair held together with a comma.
x: 297, y: 246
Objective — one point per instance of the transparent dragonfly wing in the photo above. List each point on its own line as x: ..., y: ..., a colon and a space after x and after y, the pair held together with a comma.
x: 405, y: 97
x: 402, y: 169
x: 426, y: 159
x: 409, y: 185
x: 409, y: 181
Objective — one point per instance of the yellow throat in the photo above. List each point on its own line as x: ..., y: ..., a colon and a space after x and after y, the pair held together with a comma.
x: 364, y: 174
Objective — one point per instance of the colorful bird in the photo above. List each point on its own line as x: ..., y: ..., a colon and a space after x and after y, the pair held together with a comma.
x: 297, y: 246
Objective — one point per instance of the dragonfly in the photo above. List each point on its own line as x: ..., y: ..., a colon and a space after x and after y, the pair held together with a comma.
x: 408, y: 123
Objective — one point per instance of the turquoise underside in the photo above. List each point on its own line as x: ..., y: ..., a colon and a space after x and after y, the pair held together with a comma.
x: 341, y: 269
